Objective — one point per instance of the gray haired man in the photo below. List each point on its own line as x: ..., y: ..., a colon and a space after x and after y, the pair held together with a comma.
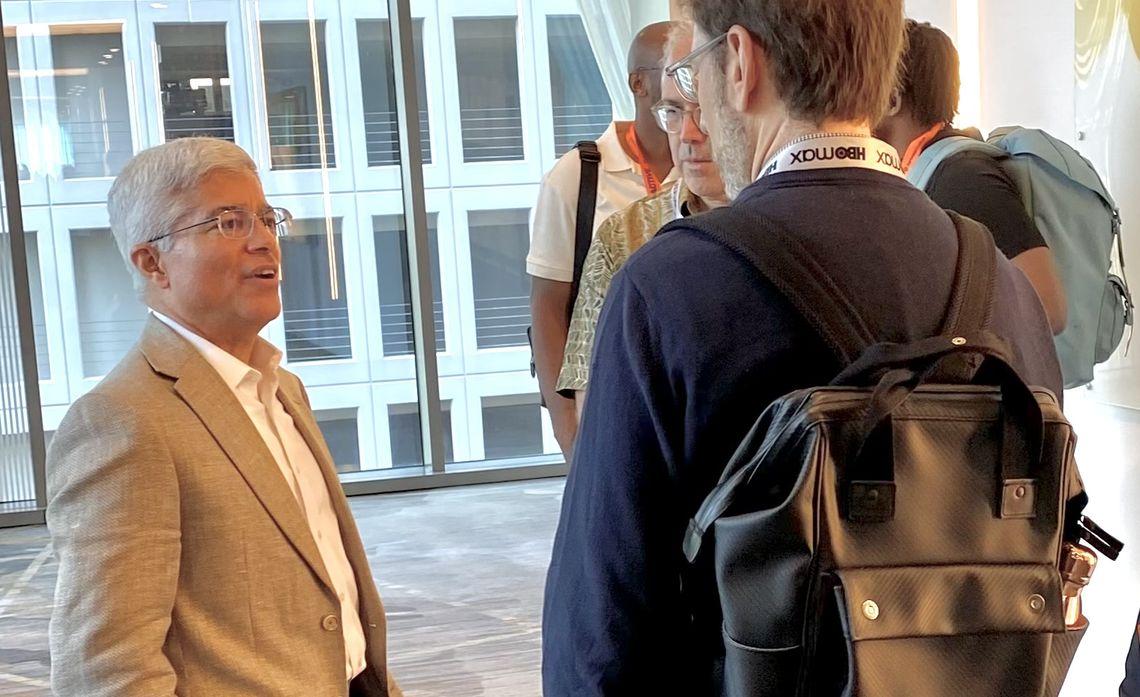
x: 205, y: 546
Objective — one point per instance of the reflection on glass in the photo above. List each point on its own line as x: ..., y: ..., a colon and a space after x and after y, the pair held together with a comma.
x: 193, y: 72
x: 339, y: 427
x: 381, y: 131
x: 39, y: 321
x: 315, y: 305
x: 395, y: 284
x: 291, y: 94
x: 91, y: 100
x: 490, y: 107
x: 39, y: 324
x: 17, y: 476
x: 404, y: 430
x: 17, y: 89
x: 582, y: 108
x: 512, y: 426
x: 499, y: 244
x: 111, y: 316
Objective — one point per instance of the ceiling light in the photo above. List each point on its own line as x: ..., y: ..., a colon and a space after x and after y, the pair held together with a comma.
x: 114, y: 50
x: 158, y: 5
x: 108, y: 56
x: 102, y: 62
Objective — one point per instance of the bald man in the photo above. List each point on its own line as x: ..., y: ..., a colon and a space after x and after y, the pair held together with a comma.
x: 636, y: 162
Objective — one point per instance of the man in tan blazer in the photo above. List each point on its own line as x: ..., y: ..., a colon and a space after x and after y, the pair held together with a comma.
x: 206, y: 548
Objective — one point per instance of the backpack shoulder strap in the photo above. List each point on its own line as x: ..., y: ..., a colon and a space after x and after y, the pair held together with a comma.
x: 587, y: 207
x: 784, y: 262
x: 968, y: 314
x: 923, y: 169
x: 972, y: 298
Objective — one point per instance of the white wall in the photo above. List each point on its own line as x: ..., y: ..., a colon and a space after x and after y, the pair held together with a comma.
x: 1027, y: 49
x: 940, y: 13
x: 644, y: 12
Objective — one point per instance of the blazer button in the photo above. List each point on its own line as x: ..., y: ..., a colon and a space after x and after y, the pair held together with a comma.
x: 330, y: 623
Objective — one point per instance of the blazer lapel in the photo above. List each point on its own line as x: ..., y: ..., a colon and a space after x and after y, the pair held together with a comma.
x: 211, y: 399
x: 371, y: 610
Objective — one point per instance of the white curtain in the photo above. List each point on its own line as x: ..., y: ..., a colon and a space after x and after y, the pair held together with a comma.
x: 609, y: 24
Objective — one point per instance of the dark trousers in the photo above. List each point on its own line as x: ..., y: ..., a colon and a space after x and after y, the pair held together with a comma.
x: 1131, y: 685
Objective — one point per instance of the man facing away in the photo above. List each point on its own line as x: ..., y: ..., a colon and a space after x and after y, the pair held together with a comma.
x: 636, y: 161
x: 699, y: 189
x: 693, y: 343
x: 971, y: 183
x: 205, y: 545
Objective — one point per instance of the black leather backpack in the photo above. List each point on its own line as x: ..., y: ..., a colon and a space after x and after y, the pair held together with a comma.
x: 898, y: 532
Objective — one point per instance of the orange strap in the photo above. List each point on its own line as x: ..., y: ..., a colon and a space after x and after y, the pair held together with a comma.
x: 914, y: 150
x: 633, y: 147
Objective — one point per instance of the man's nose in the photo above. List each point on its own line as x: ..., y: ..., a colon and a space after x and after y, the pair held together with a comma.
x: 262, y: 237
x: 691, y: 129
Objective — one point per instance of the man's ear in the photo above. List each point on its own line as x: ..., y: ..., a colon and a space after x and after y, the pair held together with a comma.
x: 637, y: 84
x: 150, y: 266
x: 894, y: 108
x: 745, y: 69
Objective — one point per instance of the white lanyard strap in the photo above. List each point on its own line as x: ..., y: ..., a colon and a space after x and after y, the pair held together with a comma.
x: 832, y: 151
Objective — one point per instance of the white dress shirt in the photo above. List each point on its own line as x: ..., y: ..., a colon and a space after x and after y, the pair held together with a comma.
x: 256, y: 390
x: 620, y: 183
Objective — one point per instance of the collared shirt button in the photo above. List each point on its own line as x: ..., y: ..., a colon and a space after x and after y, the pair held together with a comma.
x: 330, y: 623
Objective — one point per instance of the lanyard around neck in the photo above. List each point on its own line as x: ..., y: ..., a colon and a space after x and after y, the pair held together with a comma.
x: 833, y: 151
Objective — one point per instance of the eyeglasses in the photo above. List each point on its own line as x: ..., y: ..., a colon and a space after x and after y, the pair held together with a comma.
x: 238, y: 223
x: 671, y: 115
x: 684, y: 71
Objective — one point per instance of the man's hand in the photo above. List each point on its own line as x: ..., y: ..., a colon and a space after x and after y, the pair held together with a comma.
x: 549, y: 313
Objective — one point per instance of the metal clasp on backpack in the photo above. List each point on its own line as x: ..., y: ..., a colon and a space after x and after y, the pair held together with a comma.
x: 870, y: 502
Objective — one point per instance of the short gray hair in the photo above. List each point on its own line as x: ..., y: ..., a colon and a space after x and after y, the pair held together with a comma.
x: 149, y: 195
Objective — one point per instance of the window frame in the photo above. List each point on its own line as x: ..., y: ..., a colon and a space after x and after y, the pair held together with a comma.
x: 386, y: 394
x: 540, y: 26
x: 301, y: 182
x: 500, y: 385
x: 336, y: 371
x: 358, y: 397
x: 464, y: 201
x: 437, y: 174
x: 204, y: 12
x: 18, y: 17
x: 114, y: 12
x: 529, y: 169
x: 65, y: 219
x: 383, y: 367
x: 53, y: 391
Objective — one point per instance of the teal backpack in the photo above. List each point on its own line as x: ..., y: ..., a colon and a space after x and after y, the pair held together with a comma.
x: 1081, y: 224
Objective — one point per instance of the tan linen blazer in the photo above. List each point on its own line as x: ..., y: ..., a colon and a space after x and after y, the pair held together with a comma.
x: 186, y: 566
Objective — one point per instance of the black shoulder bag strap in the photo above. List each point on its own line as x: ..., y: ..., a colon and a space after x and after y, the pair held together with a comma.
x: 583, y: 229
x: 587, y: 209
x: 782, y: 260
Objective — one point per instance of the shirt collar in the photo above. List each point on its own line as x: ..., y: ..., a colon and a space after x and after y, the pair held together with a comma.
x: 233, y: 371
x: 615, y: 159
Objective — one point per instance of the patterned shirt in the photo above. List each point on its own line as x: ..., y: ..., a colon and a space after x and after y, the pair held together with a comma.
x: 622, y: 234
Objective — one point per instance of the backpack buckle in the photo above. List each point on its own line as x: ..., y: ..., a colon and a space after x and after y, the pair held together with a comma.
x: 1019, y: 498
x: 870, y: 502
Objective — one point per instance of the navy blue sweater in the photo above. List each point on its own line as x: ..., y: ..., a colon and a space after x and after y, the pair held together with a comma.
x: 692, y: 345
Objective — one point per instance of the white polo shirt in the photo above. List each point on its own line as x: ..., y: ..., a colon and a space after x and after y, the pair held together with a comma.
x: 552, y: 228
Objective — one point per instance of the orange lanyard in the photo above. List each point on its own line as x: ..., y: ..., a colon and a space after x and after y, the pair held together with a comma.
x: 914, y: 150
x: 633, y: 146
